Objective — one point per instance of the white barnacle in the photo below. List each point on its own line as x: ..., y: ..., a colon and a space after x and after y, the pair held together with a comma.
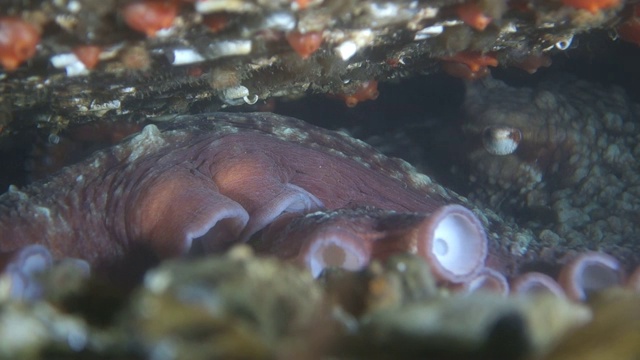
x: 147, y: 140
x: 250, y: 100
x: 501, y: 140
x: 236, y: 95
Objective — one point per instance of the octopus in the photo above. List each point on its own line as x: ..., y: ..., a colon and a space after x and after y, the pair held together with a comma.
x: 562, y: 157
x: 200, y: 183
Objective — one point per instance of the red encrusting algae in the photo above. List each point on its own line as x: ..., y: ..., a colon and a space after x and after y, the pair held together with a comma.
x: 18, y: 41
x: 149, y: 16
x: 368, y: 90
x: 305, y: 44
x: 592, y: 6
x: 469, y: 65
x: 473, y: 15
x: 88, y: 54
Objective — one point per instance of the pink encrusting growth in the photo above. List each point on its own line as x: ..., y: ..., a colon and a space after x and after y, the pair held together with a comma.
x: 590, y: 272
x: 18, y: 42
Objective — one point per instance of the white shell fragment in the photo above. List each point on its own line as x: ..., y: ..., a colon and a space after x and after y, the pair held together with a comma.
x: 101, y: 107
x: 236, y: 92
x: 346, y: 50
x: 238, y: 95
x: 429, y: 31
x: 501, y: 140
x: 184, y: 56
x: 228, y: 48
x: 355, y: 41
x: 70, y: 63
x: 250, y: 100
x: 211, y: 6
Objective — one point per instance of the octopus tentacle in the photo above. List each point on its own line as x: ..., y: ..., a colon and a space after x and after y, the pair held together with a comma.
x: 589, y: 272
x: 219, y: 177
x: 293, y: 190
x: 534, y: 283
x: 343, y: 238
x: 202, y: 209
x: 20, y: 269
x: 487, y: 280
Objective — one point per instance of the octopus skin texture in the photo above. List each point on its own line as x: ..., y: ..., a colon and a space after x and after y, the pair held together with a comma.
x: 218, y: 178
x: 561, y: 157
x: 303, y: 193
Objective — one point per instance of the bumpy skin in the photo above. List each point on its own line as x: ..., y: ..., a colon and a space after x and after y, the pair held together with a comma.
x: 161, y: 189
x: 574, y: 177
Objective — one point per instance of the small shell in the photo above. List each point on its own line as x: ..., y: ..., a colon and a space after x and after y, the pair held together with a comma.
x: 564, y: 43
x: 238, y: 95
x: 501, y: 140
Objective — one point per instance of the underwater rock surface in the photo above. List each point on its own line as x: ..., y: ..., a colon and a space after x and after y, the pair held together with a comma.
x: 79, y: 61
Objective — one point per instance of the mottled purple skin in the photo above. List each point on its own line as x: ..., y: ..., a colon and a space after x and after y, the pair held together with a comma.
x: 160, y: 189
